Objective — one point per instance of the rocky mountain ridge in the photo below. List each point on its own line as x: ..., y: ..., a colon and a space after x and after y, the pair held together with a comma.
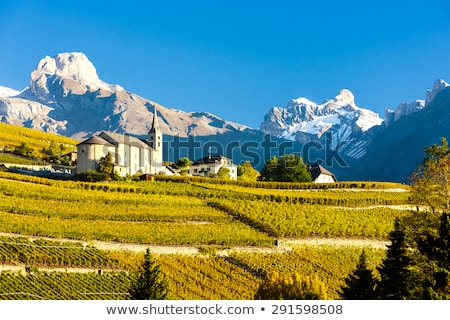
x: 348, y: 126
x: 66, y: 96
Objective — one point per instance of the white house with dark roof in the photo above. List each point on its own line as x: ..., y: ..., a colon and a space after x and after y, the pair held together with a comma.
x: 131, y: 155
x: 321, y: 175
x: 211, y: 165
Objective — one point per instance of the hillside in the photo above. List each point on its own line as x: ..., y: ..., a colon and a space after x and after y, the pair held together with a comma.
x: 219, y: 237
x: 12, y: 136
x: 214, y: 239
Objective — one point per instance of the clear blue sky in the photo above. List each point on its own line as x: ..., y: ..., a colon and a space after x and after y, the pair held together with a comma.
x: 237, y: 59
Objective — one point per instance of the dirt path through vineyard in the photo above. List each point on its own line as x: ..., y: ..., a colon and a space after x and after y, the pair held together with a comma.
x: 282, y: 245
x: 22, y: 269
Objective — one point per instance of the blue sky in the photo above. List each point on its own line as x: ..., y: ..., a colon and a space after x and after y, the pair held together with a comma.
x: 237, y: 59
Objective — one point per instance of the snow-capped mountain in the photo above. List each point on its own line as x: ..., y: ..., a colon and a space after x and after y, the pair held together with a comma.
x: 349, y: 127
x: 406, y: 108
x: 395, y: 153
x: 66, y: 96
x: 438, y: 86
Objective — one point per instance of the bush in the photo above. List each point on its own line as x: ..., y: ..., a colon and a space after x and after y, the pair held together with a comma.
x: 290, y: 287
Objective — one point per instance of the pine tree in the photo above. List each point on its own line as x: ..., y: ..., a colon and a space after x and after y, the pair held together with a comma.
x: 361, y: 283
x: 268, y: 172
x: 437, y: 251
x: 287, y: 168
x: 148, y: 282
x: 397, y: 281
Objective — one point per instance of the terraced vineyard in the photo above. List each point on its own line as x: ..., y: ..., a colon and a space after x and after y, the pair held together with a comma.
x: 233, y: 227
x: 63, y: 286
x: 329, y: 264
x: 12, y: 136
x: 44, y: 253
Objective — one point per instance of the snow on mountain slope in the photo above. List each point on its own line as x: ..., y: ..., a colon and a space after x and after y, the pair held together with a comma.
x: 8, y: 92
x: 438, y: 86
x: 303, y: 120
x: 67, y: 96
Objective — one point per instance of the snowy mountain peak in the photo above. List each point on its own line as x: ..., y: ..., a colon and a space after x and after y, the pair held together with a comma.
x: 345, y: 97
x: 303, y: 120
x: 302, y: 101
x: 437, y: 86
x: 66, y: 96
x: 73, y: 70
x: 406, y: 108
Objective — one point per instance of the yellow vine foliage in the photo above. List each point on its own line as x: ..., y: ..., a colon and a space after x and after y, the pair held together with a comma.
x: 291, y: 287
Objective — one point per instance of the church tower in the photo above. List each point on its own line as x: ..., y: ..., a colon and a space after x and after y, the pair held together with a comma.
x: 155, y: 140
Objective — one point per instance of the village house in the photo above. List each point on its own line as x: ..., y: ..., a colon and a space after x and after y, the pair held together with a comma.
x: 321, y: 175
x: 131, y: 155
x: 211, y: 165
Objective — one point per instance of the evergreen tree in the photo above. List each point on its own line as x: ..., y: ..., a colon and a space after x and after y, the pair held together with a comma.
x: 397, y: 282
x: 287, y: 168
x: 148, y: 282
x: 437, y: 251
x: 268, y: 172
x: 291, y: 168
x: 361, y: 283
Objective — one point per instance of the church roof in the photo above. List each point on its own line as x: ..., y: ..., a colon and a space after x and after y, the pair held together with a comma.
x: 116, y: 138
x: 97, y: 140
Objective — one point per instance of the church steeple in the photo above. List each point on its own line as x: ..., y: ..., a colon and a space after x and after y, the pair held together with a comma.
x: 155, y: 125
x: 155, y: 134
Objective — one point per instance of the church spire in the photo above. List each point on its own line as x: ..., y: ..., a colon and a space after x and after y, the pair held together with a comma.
x: 155, y: 125
x: 155, y: 134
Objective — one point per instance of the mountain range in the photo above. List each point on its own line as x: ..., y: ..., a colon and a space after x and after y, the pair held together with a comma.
x: 350, y: 127
x: 66, y: 96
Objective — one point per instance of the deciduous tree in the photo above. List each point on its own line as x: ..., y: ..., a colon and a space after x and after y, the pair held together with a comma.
x: 106, y: 164
x: 290, y: 287
x: 183, y: 165
x: 431, y: 180
x: 223, y: 173
x: 246, y: 172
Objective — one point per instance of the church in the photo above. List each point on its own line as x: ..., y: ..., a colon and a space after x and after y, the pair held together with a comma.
x: 131, y: 155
